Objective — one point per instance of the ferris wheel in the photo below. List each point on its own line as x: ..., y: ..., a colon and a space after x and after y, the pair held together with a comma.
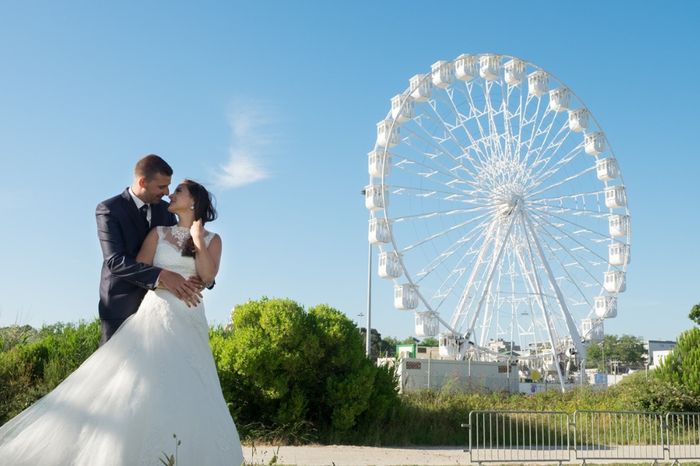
x: 499, y: 211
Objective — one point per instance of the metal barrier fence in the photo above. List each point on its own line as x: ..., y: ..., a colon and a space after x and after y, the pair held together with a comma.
x: 683, y: 436
x: 517, y: 436
x: 618, y: 435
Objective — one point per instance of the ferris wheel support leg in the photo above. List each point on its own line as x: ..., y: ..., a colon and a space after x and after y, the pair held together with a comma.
x: 550, y: 328
x: 571, y: 325
x: 487, y: 286
x: 465, y: 294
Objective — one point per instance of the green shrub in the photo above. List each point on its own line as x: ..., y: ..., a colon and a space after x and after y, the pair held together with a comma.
x: 299, y: 373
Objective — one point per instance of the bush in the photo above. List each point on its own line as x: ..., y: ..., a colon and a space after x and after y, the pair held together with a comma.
x: 297, y: 372
x: 33, y: 362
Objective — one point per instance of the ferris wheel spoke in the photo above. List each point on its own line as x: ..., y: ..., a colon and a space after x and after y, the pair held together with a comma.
x: 543, y: 224
x: 466, y: 295
x: 579, y: 227
x: 475, y: 235
x: 536, y: 294
x: 436, y: 236
x: 545, y: 154
x: 457, y: 270
x: 541, y: 175
x: 492, y: 267
x: 542, y: 201
x: 438, y: 144
x: 571, y: 279
x: 533, y: 132
x: 451, y: 196
x: 436, y: 213
x: 494, y: 134
x: 461, y: 120
x: 508, y: 116
x: 562, y: 182
x: 405, y: 163
x: 543, y: 136
x: 476, y: 114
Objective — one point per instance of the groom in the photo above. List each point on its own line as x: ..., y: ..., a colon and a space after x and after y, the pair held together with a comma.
x: 122, y: 224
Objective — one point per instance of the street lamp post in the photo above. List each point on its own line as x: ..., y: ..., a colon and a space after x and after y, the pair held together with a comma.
x: 368, y: 339
x: 368, y: 334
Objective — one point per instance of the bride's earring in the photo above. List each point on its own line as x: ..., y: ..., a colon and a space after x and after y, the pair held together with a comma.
x: 191, y: 207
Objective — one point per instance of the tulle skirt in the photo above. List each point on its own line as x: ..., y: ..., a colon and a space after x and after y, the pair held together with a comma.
x: 154, y: 380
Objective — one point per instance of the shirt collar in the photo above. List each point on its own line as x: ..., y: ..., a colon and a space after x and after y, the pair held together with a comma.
x: 139, y: 203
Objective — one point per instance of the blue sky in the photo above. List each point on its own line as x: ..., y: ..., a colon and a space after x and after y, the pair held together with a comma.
x: 289, y: 93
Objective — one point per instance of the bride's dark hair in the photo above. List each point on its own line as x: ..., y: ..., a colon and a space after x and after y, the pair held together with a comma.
x: 203, y: 210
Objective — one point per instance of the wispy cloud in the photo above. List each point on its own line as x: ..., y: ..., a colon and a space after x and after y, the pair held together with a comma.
x: 251, y: 136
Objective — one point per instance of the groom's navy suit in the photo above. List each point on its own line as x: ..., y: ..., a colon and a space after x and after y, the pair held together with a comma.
x: 121, y: 230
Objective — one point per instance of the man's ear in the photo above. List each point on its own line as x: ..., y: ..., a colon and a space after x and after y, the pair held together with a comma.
x: 141, y: 180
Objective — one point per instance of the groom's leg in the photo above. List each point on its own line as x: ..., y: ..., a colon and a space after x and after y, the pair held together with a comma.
x: 109, y: 326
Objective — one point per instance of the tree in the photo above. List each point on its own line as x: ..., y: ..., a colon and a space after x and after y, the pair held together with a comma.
x: 682, y: 365
x: 627, y: 350
x: 695, y: 314
x: 429, y: 341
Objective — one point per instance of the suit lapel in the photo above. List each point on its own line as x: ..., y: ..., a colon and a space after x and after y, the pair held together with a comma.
x: 133, y: 213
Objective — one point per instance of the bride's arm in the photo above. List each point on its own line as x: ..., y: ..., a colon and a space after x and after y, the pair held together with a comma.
x: 206, y: 258
x: 148, y: 248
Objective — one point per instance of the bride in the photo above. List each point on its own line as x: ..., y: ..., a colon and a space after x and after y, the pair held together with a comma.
x: 152, y: 389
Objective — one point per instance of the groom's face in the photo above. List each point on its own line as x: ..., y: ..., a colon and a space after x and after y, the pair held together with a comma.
x: 156, y: 188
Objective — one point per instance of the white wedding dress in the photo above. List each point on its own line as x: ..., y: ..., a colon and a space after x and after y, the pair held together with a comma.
x: 154, y: 379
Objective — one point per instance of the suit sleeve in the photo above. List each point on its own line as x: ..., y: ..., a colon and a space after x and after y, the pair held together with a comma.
x: 114, y: 251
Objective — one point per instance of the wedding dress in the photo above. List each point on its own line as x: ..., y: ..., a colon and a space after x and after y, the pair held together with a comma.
x: 154, y: 379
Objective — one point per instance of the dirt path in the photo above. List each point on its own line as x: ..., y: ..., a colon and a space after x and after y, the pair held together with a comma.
x: 342, y: 455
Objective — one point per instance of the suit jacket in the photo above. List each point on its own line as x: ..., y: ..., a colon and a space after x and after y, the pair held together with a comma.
x: 121, y: 231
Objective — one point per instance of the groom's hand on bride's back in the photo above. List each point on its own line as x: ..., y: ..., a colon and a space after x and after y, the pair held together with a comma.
x: 184, y: 289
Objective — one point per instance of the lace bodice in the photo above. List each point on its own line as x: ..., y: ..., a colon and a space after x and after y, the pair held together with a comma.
x: 168, y: 254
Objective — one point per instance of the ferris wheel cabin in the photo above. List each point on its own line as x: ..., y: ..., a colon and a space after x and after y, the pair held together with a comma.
x: 618, y: 254
x: 618, y: 224
x: 389, y: 266
x: 378, y: 230
x: 375, y: 197
x: 615, y: 196
x: 559, y: 99
x: 441, y: 73
x: 419, y: 87
x: 614, y: 281
x: 592, y: 330
x: 401, y: 108
x: 427, y: 324
x: 578, y: 120
x: 490, y: 67
x: 537, y: 83
x: 405, y: 297
x: 379, y: 163
x: 594, y: 143
x: 449, y: 345
x: 387, y: 133
x: 514, y: 71
x: 466, y: 67
x: 605, y: 307
x: 606, y: 169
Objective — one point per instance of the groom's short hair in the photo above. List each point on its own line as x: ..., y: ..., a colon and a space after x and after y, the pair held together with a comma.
x: 152, y: 165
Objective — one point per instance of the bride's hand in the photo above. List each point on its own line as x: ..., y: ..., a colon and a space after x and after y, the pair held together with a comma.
x: 197, y: 233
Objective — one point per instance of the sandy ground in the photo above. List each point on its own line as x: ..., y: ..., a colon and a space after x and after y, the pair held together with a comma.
x: 341, y: 455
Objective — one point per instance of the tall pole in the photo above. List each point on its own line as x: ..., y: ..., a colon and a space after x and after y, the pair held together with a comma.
x: 368, y: 345
x: 368, y: 335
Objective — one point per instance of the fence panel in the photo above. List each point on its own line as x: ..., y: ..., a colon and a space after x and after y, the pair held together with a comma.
x: 683, y: 435
x: 618, y: 435
x: 503, y: 436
